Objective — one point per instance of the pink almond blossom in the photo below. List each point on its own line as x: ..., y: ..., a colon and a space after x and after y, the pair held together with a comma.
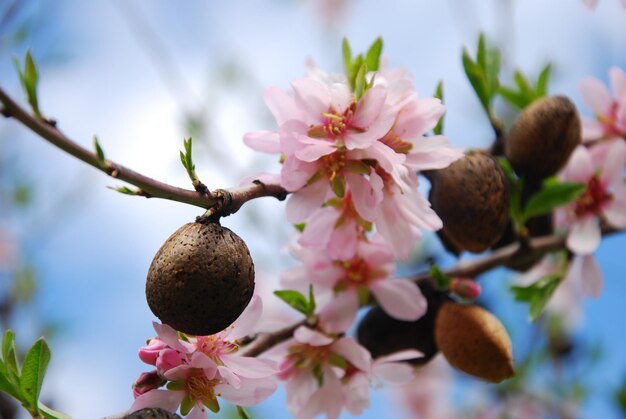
x: 201, y: 368
x: 609, y: 112
x: 601, y: 168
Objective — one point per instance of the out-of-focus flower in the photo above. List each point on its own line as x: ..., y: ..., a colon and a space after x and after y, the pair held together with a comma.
x: 601, y: 168
x: 610, y: 112
x: 148, y: 381
x: 200, y: 368
x: 351, y: 281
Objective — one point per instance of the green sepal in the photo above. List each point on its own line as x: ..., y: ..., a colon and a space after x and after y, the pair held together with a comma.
x: 175, y: 385
x: 300, y: 227
x: 338, y: 186
x: 187, y: 404
x: 99, y: 153
x: 442, y: 281
x: 243, y: 413
x: 337, y: 361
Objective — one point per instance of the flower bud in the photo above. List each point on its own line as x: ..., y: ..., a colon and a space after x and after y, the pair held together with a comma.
x: 201, y: 279
x: 474, y: 341
x: 543, y: 137
x: 150, y: 352
x: 472, y: 198
x: 466, y: 289
x: 147, y: 381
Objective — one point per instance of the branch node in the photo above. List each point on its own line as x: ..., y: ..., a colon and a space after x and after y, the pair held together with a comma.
x: 5, y: 112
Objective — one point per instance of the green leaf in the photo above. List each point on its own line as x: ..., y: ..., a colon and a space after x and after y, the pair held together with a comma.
x: 9, y: 355
x: 551, y: 197
x: 99, y: 153
x: 442, y: 281
x: 296, y: 300
x: 541, y: 88
x: 483, y: 73
x: 243, y: 414
x: 312, y: 303
x: 476, y: 78
x: 524, y: 86
x: 372, y: 58
x: 515, y: 187
x: 537, y: 294
x: 125, y: 190
x: 6, y: 385
x: 347, y: 56
x: 513, y: 97
x: 29, y: 78
x: 33, y: 371
x: 438, y: 130
x: 360, y: 83
x: 51, y: 413
x: 354, y: 69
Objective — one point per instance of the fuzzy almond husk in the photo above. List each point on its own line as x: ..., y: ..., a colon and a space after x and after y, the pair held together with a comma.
x: 543, y: 137
x: 474, y: 341
x: 201, y: 279
x: 472, y: 198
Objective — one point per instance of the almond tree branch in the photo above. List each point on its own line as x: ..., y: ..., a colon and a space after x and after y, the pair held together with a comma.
x: 224, y: 203
x: 468, y: 269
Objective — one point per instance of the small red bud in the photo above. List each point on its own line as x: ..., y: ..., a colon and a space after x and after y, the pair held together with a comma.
x: 147, y: 381
x: 467, y: 289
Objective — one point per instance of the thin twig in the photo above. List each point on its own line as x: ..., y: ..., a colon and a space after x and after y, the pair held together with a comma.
x: 151, y: 188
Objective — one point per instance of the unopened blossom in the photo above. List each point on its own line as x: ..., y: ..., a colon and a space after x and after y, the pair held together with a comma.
x: 609, y: 110
x: 601, y: 168
x: 201, y: 368
x: 350, y: 282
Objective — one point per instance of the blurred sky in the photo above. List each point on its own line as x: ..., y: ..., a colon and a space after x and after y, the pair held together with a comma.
x: 130, y: 71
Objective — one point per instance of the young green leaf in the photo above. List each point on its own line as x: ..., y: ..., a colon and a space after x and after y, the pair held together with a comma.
x: 372, y: 58
x: 483, y: 73
x: 516, y: 185
x: 125, y: 190
x: 360, y: 83
x: 296, y: 300
x: 442, y: 281
x: 537, y: 294
x: 29, y: 78
x: 541, y: 88
x: 9, y: 355
x: 99, y: 153
x: 312, y: 303
x: 33, y: 371
x: 438, y: 130
x: 551, y: 197
x: 243, y: 414
x: 51, y: 413
x: 347, y: 56
x: 6, y: 384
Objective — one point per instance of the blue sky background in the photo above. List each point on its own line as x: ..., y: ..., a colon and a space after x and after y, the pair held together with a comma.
x: 133, y: 87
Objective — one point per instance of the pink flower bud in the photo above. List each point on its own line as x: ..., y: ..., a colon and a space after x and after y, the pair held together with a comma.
x: 467, y: 289
x: 149, y: 353
x: 147, y: 381
x: 168, y: 358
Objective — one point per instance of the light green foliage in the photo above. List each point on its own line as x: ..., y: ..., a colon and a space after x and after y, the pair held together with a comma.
x: 552, y: 195
x: 438, y: 130
x: 298, y: 301
x: 538, y: 294
x: 523, y: 93
x: 99, y: 153
x: 29, y: 76
x: 357, y: 68
x: 24, y: 383
x: 483, y: 72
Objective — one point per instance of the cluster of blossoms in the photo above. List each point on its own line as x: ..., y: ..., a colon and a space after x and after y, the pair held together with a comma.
x: 198, y: 369
x: 600, y: 166
x: 350, y: 159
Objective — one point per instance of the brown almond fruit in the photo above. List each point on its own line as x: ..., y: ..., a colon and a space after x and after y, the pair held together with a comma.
x: 201, y: 279
x: 474, y: 341
x: 543, y: 137
x: 472, y: 198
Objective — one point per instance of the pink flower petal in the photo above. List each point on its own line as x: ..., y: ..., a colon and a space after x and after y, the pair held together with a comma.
x: 295, y: 173
x: 615, y: 211
x: 344, y: 240
x: 250, y: 393
x: 319, y: 228
x: 364, y: 197
x: 229, y: 377
x: 432, y: 153
x: 613, y: 159
x: 244, y: 325
x: 315, y: 149
x: 592, y: 129
x: 401, y: 299
x: 303, y: 203
x: 340, y: 313
x: 596, y: 96
x: 584, y: 237
x: 281, y: 105
x: 618, y: 82
x: 394, y: 372
x: 165, y: 399
x: 369, y: 107
x: 586, y: 270
x: 168, y: 335
x: 341, y: 97
x: 312, y: 97
x: 405, y: 355
x: 263, y: 141
x: 579, y: 167
x: 328, y: 399
x: 245, y: 366
x: 305, y: 335
x: 357, y: 394
x: 354, y: 353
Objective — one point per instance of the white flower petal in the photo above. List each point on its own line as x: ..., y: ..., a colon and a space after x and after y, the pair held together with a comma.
x: 400, y: 298
x: 340, y: 313
x: 584, y: 237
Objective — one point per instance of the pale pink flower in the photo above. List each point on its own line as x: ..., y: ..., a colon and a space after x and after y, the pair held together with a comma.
x: 201, y: 368
x: 610, y: 112
x: 318, y: 370
x: 601, y: 168
x: 350, y: 282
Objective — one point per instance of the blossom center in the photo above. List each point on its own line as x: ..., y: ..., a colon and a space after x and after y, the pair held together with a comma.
x: 396, y: 143
x: 200, y: 387
x: 593, y: 199
x: 213, y: 346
